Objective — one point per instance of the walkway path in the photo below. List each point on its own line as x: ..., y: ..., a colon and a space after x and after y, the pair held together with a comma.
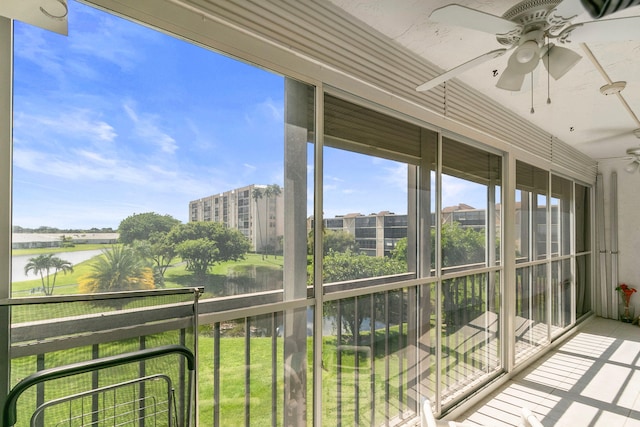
x: 19, y: 261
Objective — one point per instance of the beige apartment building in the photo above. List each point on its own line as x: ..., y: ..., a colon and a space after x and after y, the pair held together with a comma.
x: 255, y: 210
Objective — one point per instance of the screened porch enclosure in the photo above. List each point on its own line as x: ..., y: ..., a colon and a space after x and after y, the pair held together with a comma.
x: 393, y: 260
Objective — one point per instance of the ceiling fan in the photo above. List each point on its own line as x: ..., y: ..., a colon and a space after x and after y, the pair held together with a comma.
x: 634, y: 156
x: 533, y: 29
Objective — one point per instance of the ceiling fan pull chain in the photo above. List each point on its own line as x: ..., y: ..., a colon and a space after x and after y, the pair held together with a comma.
x: 532, y: 110
x: 548, y: 74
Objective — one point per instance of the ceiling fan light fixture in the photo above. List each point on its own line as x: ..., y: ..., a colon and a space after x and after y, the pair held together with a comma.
x: 525, y: 59
x: 510, y: 80
x: 631, y: 167
x: 559, y: 60
x: 526, y: 51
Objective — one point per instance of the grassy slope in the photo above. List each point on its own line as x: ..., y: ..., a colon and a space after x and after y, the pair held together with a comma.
x: 175, y: 276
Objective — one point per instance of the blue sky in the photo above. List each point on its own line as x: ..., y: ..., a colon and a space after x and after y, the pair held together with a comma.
x: 117, y: 119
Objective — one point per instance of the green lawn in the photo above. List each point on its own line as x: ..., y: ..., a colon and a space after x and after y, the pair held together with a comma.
x: 176, y: 276
x: 66, y: 284
x: 232, y: 379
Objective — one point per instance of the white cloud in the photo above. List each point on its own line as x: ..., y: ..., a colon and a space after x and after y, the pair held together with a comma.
x: 273, y: 109
x: 456, y: 191
x: 30, y: 44
x: 78, y: 123
x: 395, y: 176
x: 145, y: 126
x: 109, y: 39
x: 269, y: 109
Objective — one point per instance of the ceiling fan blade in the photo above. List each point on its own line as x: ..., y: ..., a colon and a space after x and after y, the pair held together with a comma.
x: 460, y: 69
x: 604, y: 30
x: 559, y: 60
x: 462, y: 16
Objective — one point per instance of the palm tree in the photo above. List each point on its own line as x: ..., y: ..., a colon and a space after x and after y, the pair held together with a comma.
x: 256, y: 194
x: 42, y: 265
x: 273, y: 190
x: 119, y: 269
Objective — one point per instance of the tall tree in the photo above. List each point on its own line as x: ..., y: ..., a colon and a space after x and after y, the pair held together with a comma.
x: 334, y: 241
x: 344, y: 266
x: 257, y: 194
x: 399, y: 252
x: 211, y: 242
x: 43, y: 265
x: 160, y: 251
x: 272, y: 192
x: 141, y: 226
x: 118, y: 269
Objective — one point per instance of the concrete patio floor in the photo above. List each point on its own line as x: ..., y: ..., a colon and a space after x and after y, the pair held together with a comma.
x: 592, y: 379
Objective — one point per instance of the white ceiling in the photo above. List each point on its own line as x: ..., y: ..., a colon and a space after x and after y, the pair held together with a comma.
x: 598, y: 125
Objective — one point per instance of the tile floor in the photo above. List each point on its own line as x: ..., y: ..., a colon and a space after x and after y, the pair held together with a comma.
x: 593, y: 379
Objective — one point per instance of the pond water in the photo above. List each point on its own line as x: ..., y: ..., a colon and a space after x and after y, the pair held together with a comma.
x: 244, y: 279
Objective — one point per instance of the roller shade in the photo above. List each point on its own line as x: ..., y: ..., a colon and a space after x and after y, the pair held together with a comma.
x: 356, y: 128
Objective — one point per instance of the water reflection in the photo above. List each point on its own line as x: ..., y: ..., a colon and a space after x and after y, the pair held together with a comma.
x: 243, y: 279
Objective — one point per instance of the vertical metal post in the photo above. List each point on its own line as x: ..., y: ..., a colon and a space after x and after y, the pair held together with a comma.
x: 95, y: 383
x: 614, y: 242
x: 339, y: 364
x: 6, y: 99
x: 142, y: 372
x: 247, y: 371
x: 182, y: 402
x: 356, y: 364
x: 274, y: 370
x: 193, y: 415
x: 40, y: 366
x: 372, y: 359
x: 216, y: 374
x: 387, y: 353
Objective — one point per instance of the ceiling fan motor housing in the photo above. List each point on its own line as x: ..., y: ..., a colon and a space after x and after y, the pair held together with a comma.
x: 532, y: 15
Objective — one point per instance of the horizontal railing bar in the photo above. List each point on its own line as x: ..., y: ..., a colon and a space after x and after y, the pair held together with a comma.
x: 473, y: 272
x: 374, y: 289
x: 224, y: 315
x: 45, y: 329
x: 367, y: 283
x: 106, y: 336
x: 99, y: 296
x: 235, y: 302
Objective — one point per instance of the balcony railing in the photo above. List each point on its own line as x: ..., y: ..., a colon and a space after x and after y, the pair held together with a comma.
x: 383, y: 346
x: 50, y: 333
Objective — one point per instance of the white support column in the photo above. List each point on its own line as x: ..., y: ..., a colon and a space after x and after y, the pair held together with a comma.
x: 318, y: 230
x: 508, y: 213
x: 614, y: 245
x: 295, y: 253
x: 6, y: 115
